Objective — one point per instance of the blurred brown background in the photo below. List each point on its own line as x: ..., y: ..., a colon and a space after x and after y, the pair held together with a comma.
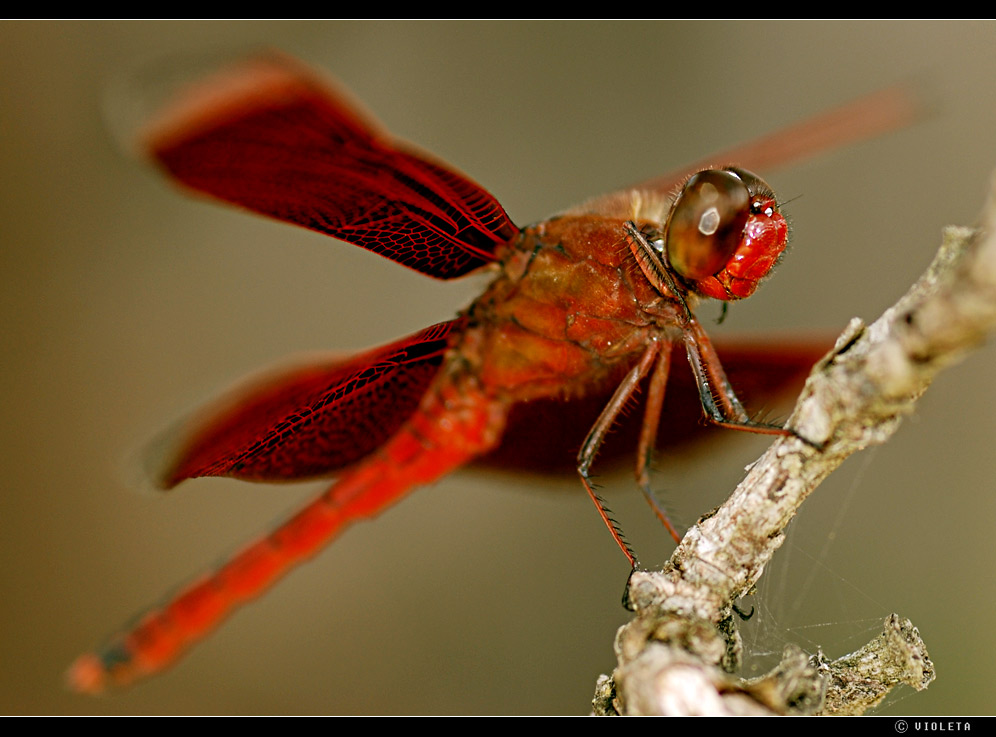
x: 124, y: 304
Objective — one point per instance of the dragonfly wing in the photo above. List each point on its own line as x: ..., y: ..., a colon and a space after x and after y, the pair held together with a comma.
x: 271, y: 136
x: 875, y: 114
x: 312, y: 420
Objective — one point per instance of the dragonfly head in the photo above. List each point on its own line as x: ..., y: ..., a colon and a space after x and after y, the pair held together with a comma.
x: 724, y: 233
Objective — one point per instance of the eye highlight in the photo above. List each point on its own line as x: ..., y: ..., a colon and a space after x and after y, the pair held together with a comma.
x: 706, y: 223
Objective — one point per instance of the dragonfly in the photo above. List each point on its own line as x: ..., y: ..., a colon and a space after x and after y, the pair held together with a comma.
x: 584, y: 312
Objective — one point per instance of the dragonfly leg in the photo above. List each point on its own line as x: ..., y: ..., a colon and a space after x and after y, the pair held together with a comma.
x: 592, y: 443
x: 719, y: 402
x: 648, y: 437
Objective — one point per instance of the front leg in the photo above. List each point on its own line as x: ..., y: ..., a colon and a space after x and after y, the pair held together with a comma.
x: 719, y: 402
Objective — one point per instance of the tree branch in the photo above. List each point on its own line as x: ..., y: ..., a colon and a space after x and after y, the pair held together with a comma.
x: 677, y: 654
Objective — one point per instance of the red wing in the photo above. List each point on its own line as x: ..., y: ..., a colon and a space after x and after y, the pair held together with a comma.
x: 270, y: 136
x: 316, y: 419
x: 544, y: 436
x: 880, y: 112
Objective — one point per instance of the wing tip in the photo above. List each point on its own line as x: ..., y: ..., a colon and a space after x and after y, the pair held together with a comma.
x: 196, y: 101
x: 193, y: 105
x: 161, y: 460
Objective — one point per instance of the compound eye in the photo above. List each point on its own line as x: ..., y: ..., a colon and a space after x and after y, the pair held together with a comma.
x: 707, y: 223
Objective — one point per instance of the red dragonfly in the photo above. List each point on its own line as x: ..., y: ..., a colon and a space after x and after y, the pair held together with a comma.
x: 585, y: 306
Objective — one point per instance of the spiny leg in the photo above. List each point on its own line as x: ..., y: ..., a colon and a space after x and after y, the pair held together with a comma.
x: 648, y: 437
x: 592, y: 443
